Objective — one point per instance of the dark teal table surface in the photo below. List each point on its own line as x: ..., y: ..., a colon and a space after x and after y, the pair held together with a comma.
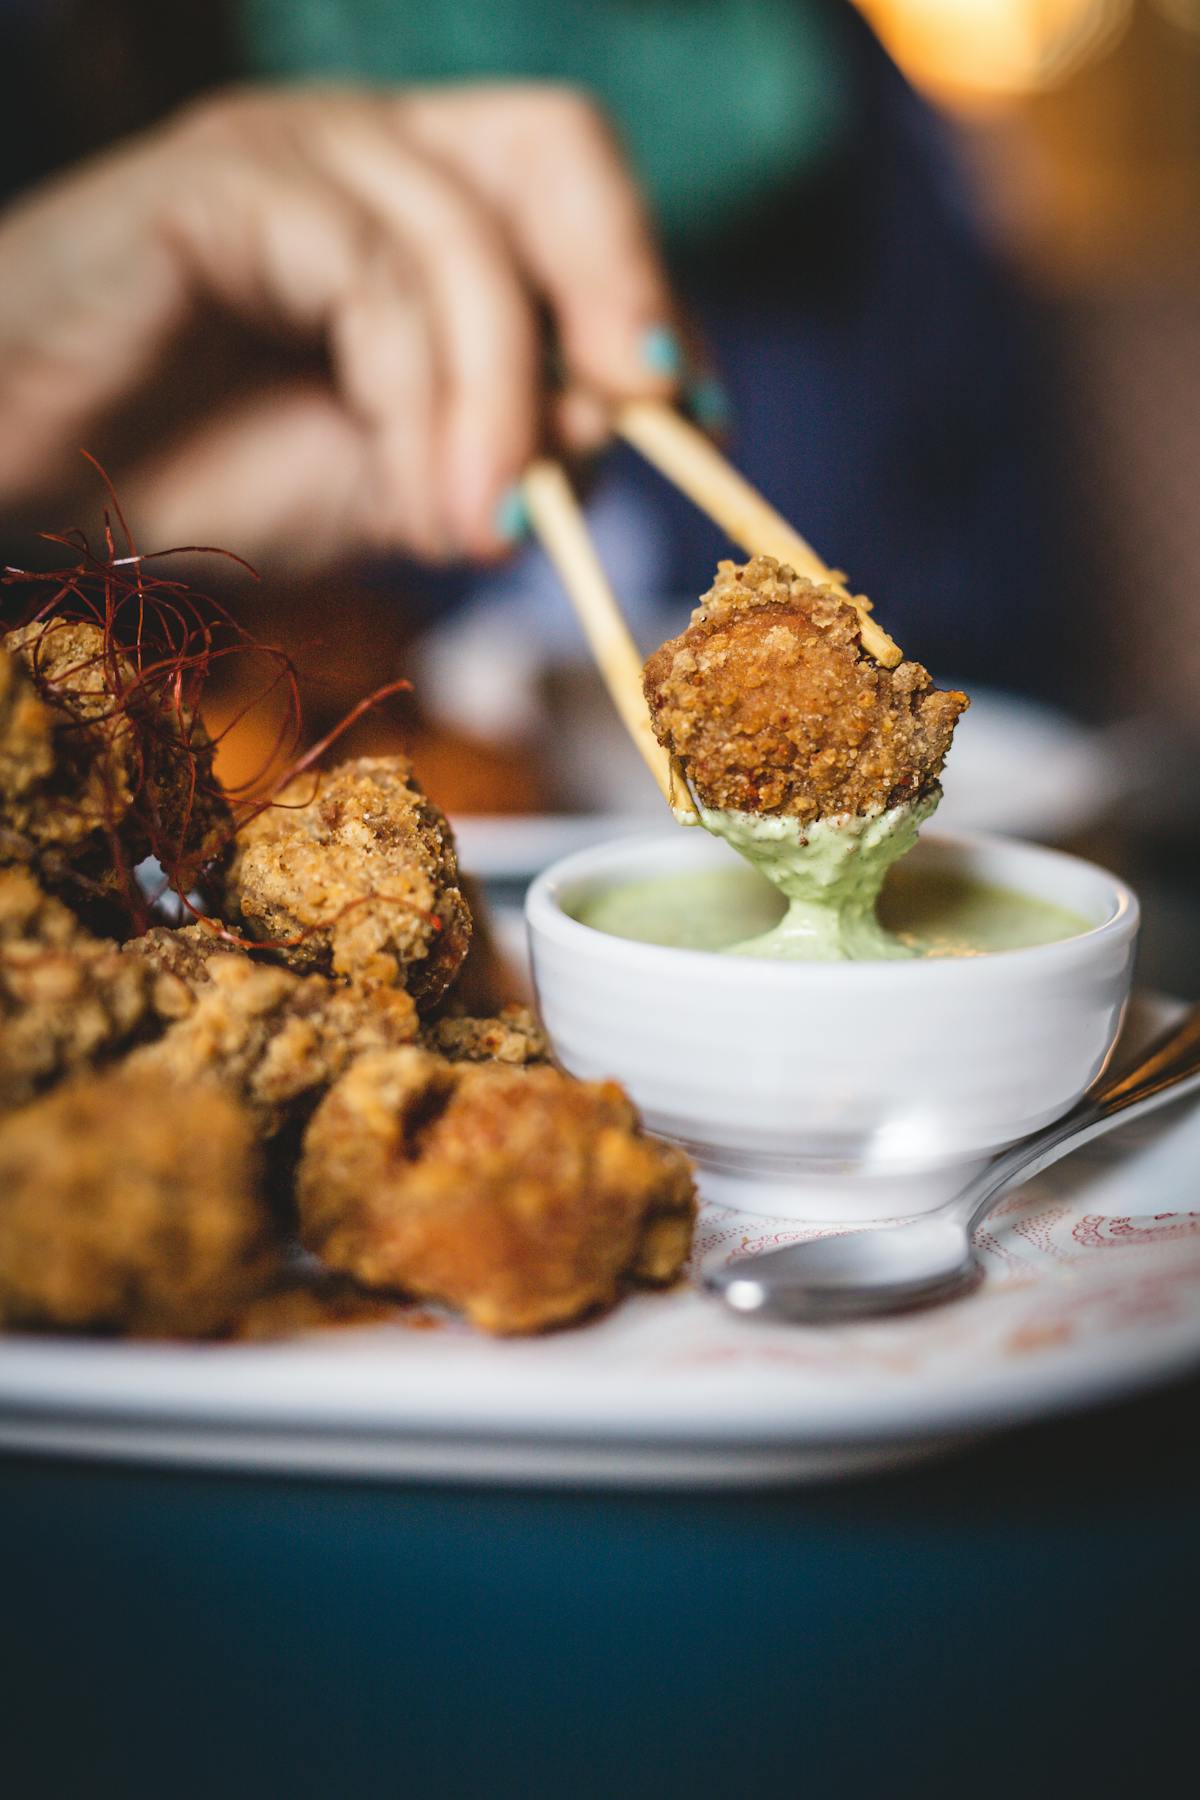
x: 1019, y: 1620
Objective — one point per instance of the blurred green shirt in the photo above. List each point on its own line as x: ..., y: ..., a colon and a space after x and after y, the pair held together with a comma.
x: 721, y: 103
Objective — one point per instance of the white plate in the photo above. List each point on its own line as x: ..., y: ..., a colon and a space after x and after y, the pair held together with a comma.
x: 1092, y: 1290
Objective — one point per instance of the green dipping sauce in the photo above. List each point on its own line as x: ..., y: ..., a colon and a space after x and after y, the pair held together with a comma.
x: 830, y: 872
x: 921, y: 912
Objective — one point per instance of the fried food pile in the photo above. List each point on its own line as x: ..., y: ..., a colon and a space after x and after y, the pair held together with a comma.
x: 181, y: 1108
x: 771, y: 704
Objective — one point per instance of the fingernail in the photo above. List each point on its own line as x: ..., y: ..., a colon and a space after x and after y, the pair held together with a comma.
x: 708, y: 403
x: 661, y: 350
x: 511, y: 517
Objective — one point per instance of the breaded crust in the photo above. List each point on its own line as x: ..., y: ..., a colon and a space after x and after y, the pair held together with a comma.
x: 354, y: 873
x: 519, y: 1197
x: 61, y: 671
x: 272, y: 1039
x: 513, y: 1036
x: 178, y: 958
x: 128, y: 1203
x: 772, y: 706
x: 90, y: 756
x: 26, y: 733
x: 68, y: 1000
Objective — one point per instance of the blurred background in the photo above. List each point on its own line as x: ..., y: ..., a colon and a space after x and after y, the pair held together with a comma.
x: 945, y: 253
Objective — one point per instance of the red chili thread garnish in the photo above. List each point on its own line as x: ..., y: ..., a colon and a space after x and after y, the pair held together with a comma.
x: 159, y: 642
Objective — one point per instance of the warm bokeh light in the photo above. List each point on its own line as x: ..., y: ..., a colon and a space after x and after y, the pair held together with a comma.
x: 985, y: 51
x: 1184, y: 13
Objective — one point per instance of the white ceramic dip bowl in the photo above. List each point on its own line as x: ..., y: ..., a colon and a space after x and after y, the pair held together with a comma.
x: 836, y: 1091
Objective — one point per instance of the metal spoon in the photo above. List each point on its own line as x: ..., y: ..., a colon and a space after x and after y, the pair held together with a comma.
x: 891, y: 1267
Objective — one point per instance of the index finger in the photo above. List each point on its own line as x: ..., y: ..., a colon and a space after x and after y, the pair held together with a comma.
x: 548, y: 162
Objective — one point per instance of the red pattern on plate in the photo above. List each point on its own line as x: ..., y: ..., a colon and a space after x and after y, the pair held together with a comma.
x: 1096, y: 1232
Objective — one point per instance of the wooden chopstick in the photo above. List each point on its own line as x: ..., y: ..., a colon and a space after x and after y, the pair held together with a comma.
x: 558, y: 519
x: 694, y: 464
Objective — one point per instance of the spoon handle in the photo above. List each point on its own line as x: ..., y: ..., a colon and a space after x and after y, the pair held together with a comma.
x: 1167, y: 1070
x: 1170, y: 1058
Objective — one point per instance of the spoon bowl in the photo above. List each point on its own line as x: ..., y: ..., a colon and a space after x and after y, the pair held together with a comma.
x: 855, y: 1273
x: 894, y: 1267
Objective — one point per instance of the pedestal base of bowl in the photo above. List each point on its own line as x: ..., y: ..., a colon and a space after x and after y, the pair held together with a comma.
x: 833, y: 1197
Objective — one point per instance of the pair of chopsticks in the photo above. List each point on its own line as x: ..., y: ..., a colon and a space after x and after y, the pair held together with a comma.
x: 688, y: 459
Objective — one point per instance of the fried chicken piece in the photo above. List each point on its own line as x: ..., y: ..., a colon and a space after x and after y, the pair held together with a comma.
x: 358, y: 878
x: 519, y: 1197
x: 178, y: 958
x: 67, y: 1000
x: 513, y: 1036
x: 88, y: 751
x: 772, y: 706
x: 275, y: 1040
x: 26, y: 740
x: 88, y: 782
x: 30, y: 917
x: 130, y: 1204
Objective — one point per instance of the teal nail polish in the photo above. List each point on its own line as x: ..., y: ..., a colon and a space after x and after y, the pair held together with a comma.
x: 511, y: 519
x: 708, y: 403
x: 661, y: 350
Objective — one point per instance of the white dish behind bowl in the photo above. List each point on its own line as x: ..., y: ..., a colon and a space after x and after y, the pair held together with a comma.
x: 836, y: 1091
x: 1027, y: 770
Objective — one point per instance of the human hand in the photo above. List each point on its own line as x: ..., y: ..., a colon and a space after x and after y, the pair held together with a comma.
x: 306, y: 323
